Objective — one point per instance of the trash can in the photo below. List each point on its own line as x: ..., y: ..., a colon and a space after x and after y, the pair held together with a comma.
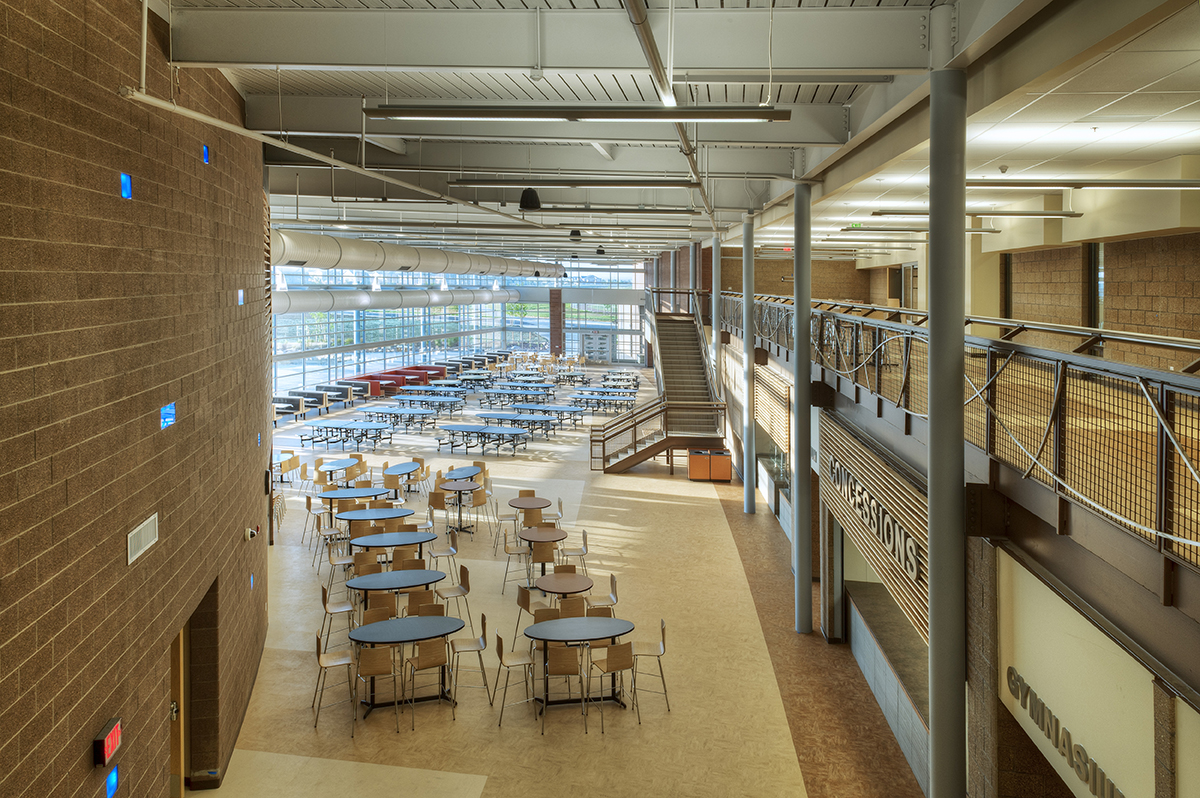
x: 720, y: 465
x: 698, y: 465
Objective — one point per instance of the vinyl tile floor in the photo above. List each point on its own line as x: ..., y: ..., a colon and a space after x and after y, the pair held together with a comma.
x: 755, y: 709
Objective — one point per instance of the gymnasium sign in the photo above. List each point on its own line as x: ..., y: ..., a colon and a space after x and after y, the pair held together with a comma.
x: 899, y: 545
x: 882, y: 507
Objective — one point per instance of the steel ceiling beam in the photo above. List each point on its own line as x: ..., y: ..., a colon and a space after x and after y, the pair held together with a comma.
x: 885, y: 40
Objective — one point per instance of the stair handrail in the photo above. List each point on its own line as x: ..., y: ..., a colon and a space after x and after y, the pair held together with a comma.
x: 649, y: 310
x: 629, y: 421
x: 709, y: 377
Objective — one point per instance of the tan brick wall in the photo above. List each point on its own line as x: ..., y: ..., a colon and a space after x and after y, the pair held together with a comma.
x: 1050, y: 285
x: 1151, y: 286
x: 110, y: 309
x: 879, y: 286
x: 830, y: 279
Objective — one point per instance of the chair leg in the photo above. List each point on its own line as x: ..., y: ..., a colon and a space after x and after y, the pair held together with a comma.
x: 483, y: 673
x: 664, y: 683
x: 504, y: 698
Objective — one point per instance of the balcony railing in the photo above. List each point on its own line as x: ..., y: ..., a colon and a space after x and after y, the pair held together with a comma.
x: 1120, y: 439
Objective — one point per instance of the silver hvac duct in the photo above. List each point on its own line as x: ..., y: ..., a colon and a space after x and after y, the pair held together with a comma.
x: 311, y: 251
x: 314, y: 300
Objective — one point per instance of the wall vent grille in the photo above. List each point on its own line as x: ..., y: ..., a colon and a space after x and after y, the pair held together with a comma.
x: 143, y: 537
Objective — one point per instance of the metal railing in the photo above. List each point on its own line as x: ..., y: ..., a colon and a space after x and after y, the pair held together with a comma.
x: 1121, y: 439
x: 654, y: 420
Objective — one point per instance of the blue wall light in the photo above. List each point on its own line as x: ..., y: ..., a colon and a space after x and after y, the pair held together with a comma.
x: 204, y: 153
x: 166, y: 416
x: 126, y: 186
x: 111, y: 782
x: 241, y: 297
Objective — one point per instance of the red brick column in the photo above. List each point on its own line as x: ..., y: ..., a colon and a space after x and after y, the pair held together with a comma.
x: 556, y: 321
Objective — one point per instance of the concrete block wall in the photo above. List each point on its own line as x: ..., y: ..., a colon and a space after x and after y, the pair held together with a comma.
x: 830, y: 279
x: 1050, y: 285
x: 111, y: 308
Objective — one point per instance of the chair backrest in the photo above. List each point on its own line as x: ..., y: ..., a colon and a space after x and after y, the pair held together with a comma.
x: 381, y: 599
x: 318, y: 646
x: 585, y: 548
x: 454, y: 541
x: 599, y: 612
x: 612, y: 581
x: 499, y: 647
x: 375, y: 615
x: 362, y: 558
x: 620, y: 657
x: 526, y: 493
x: 431, y: 654
x: 360, y: 529
x: 417, y: 598
x: 431, y: 609
x: 391, y: 481
x: 358, y: 456
x: 303, y: 472
x: 419, y: 461
x: 573, y: 607
x: 375, y: 661
x: 370, y: 568
x: 437, y: 499
x: 564, y: 568
x: 406, y: 527
x: 362, y: 483
x: 523, y: 598
x: 543, y: 552
x: 343, y: 505
x: 414, y: 564
x: 479, y: 498
x: 663, y: 647
x: 308, y: 503
x: 375, y: 504
x: 464, y: 578
x: 533, y: 517
x: 483, y: 630
x: 562, y: 661
x: 546, y: 614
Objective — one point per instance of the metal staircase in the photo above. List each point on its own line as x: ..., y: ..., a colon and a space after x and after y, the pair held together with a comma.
x: 685, y: 415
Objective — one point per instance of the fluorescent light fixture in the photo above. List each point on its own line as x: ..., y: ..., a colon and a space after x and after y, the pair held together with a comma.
x: 873, y: 240
x: 852, y: 229
x: 1060, y: 183
x: 585, y: 210
x: 566, y: 182
x: 786, y: 76
x: 987, y: 214
x: 563, y: 113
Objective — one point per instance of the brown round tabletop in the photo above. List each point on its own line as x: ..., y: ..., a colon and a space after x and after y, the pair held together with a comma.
x: 460, y: 486
x: 542, y: 534
x: 529, y: 503
x: 564, y: 584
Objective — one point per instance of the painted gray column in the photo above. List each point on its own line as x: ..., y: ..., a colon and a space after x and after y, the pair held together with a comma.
x: 716, y: 315
x: 749, y: 455
x: 947, y: 544
x: 801, y: 415
x: 673, y: 305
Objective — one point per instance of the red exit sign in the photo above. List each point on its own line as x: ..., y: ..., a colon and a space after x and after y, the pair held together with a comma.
x: 106, y: 743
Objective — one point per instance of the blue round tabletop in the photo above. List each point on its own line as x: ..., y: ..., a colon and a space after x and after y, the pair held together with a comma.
x: 575, y: 630
x: 336, y: 465
x: 402, y: 469
x: 354, y: 493
x: 406, y: 630
x: 463, y: 472
x: 374, y: 514
x: 395, y: 580
x: 390, y: 540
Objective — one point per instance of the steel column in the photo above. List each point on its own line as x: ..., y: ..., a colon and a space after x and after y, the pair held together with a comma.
x: 693, y: 276
x: 716, y: 315
x: 801, y: 402
x: 749, y: 456
x: 947, y: 542
x: 673, y: 304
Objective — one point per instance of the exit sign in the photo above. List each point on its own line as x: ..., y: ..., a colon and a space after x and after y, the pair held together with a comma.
x: 106, y: 743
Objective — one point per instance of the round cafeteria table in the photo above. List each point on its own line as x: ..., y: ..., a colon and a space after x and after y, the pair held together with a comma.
x: 390, y: 540
x: 463, y: 472
x: 394, y: 580
x: 351, y: 493
x: 337, y: 465
x: 576, y: 630
x: 461, y: 486
x: 403, y: 469
x: 529, y: 503
x: 542, y: 534
x: 563, y: 584
x: 398, y: 631
x: 374, y: 514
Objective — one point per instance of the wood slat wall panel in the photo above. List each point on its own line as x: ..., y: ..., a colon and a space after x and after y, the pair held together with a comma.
x: 772, y: 404
x: 904, y: 501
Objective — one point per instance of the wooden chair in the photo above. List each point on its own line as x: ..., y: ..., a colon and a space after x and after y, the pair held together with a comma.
x: 572, y: 607
x: 564, y: 568
x: 402, y: 553
x: 326, y: 661
x: 376, y: 663
x: 471, y: 645
x: 656, y: 649
x: 551, y: 517
x: 542, y: 554
x: 336, y: 561
x: 565, y: 661
x: 514, y: 659
x: 445, y: 552
x: 430, y: 610
x: 431, y: 655
x: 518, y: 549
x: 605, y: 601
x: 526, y: 603
x: 581, y: 552
x: 392, y: 483
x: 459, y: 593
x: 374, y: 615
x: 333, y: 608
x: 380, y: 599
x: 618, y: 659
x: 416, y: 599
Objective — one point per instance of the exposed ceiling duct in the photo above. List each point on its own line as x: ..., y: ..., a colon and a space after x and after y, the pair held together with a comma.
x: 312, y: 251
x: 319, y: 300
